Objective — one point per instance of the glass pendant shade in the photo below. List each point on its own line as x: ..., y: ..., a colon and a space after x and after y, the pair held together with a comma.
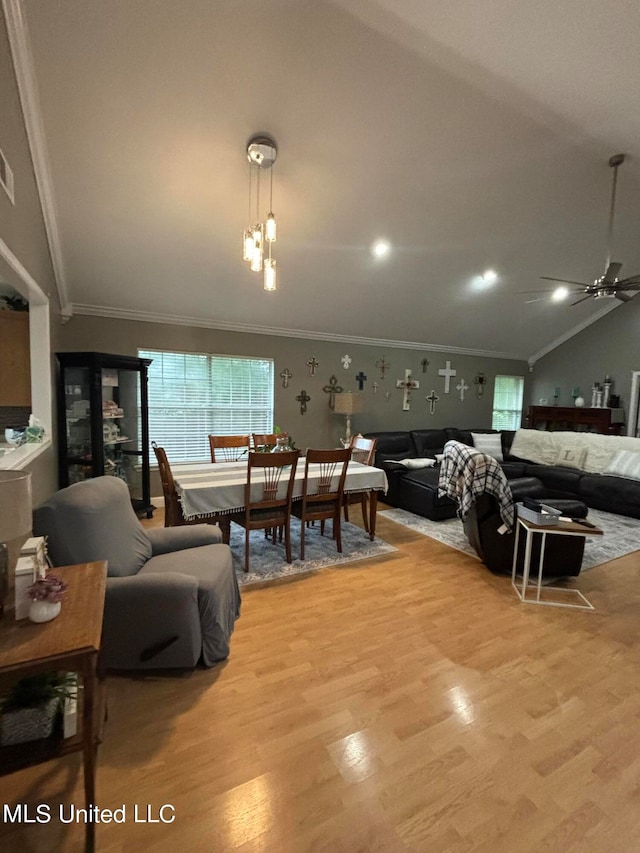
x: 270, y: 229
x: 247, y: 245
x: 269, y: 274
x: 256, y: 257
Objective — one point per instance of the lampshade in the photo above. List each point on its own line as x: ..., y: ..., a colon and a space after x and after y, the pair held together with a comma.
x: 349, y: 403
x: 15, y: 504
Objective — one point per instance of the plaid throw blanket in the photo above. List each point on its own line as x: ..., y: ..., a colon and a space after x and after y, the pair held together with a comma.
x: 466, y: 474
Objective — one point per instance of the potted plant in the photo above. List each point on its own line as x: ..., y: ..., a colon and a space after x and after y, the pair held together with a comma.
x: 30, y: 710
x: 46, y: 594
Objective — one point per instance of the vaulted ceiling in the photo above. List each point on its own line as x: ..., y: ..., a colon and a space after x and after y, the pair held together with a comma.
x: 469, y: 135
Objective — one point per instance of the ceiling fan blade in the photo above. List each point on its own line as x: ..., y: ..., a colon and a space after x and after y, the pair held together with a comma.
x: 633, y: 279
x: 588, y: 296
x: 531, y: 301
x: 624, y: 297
x: 565, y: 281
x: 612, y: 271
x: 535, y: 291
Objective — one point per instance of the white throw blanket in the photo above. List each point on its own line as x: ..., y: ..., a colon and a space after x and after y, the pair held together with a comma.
x: 544, y: 447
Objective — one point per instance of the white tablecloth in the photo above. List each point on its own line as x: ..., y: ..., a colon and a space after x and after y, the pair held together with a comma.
x: 207, y: 489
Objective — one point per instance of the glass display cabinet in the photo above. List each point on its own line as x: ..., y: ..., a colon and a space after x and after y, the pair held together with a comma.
x: 103, y: 421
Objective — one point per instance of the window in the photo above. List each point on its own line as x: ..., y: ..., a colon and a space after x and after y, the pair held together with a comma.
x: 194, y: 394
x: 507, y: 402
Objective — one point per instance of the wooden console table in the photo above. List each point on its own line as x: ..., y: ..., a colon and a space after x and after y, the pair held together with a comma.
x: 576, y: 419
x: 69, y: 643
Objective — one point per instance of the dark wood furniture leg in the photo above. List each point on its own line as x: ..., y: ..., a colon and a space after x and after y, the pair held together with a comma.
x: 373, y: 508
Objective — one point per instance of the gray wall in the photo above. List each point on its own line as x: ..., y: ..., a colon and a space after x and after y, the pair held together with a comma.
x: 609, y: 346
x: 22, y: 226
x: 319, y: 427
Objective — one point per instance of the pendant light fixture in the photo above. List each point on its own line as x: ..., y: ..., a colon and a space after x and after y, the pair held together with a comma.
x: 261, y: 154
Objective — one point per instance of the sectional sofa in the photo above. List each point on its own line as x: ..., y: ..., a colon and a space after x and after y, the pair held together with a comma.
x: 602, y: 471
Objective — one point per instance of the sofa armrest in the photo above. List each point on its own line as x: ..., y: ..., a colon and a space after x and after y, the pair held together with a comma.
x: 151, y: 620
x: 165, y: 540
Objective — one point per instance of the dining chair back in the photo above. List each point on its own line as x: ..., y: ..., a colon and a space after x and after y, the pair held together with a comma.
x: 228, y: 448
x: 273, y: 474
x: 173, y: 514
x: 265, y: 441
x: 330, y: 471
x: 363, y: 450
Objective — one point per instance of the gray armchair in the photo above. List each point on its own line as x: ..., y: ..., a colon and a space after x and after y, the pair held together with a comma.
x: 172, y: 594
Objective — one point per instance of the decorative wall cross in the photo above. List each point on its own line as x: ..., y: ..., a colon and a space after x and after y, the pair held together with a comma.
x: 286, y: 375
x: 425, y: 364
x: 375, y: 387
x: 408, y: 385
x: 432, y: 399
x: 312, y: 365
x: 361, y: 379
x: 332, y: 389
x: 462, y: 387
x: 346, y: 361
x: 382, y: 366
x: 447, y: 372
x: 303, y: 398
x: 480, y: 380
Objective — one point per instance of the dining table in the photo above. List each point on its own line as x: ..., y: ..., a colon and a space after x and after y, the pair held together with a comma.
x: 207, y: 489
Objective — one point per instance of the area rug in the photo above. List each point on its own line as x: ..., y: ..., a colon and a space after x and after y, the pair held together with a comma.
x: 621, y: 534
x: 267, y: 561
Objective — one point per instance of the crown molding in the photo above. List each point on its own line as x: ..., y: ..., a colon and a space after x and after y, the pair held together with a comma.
x: 246, y: 328
x: 572, y: 332
x: 30, y: 102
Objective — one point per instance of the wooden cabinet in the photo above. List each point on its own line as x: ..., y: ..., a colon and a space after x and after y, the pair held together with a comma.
x: 15, y: 367
x: 576, y: 419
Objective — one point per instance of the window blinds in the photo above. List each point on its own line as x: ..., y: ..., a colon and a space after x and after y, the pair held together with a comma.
x: 194, y: 394
x: 507, y: 402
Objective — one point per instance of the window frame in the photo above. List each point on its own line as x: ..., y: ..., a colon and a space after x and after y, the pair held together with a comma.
x: 494, y: 409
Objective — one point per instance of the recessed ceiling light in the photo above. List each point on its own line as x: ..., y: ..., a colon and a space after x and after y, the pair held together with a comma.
x: 380, y: 248
x: 490, y: 277
x: 560, y: 293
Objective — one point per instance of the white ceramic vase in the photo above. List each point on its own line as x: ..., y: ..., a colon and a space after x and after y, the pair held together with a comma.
x: 579, y: 402
x: 44, y: 611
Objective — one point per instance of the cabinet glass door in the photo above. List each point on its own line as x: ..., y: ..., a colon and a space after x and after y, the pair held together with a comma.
x: 77, y: 397
x: 122, y: 443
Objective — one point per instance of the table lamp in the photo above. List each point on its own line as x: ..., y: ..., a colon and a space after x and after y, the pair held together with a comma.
x: 348, y: 403
x: 15, y: 521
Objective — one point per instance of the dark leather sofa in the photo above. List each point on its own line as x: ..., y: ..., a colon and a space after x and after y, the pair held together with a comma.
x: 417, y: 490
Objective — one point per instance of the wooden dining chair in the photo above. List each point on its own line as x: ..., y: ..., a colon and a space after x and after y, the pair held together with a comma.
x: 173, y: 515
x: 326, y: 503
x: 363, y: 450
x: 273, y: 475
x: 267, y: 440
x: 228, y: 448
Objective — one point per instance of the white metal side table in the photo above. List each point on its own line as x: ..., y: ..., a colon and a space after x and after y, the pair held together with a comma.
x: 562, y: 528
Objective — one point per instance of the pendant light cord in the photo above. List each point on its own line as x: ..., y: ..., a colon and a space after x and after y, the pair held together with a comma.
x: 612, y: 215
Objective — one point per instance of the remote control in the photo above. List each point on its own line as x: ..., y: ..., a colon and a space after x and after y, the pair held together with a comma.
x: 534, y: 506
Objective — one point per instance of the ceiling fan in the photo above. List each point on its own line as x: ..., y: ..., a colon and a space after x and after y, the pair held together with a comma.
x: 608, y: 286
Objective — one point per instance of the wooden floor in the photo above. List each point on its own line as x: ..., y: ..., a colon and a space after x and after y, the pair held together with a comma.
x: 410, y: 703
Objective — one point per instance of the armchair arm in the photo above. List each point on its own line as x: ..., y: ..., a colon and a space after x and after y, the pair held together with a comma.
x: 151, y: 621
x: 164, y: 540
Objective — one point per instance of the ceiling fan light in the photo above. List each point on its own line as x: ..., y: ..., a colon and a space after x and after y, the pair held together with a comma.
x: 489, y: 276
x: 560, y: 293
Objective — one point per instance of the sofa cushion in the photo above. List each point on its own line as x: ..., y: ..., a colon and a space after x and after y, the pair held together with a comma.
x: 612, y: 494
x: 513, y: 469
x: 392, y: 445
x: 571, y: 455
x: 489, y: 443
x: 428, y: 442
x: 555, y: 478
x: 625, y: 463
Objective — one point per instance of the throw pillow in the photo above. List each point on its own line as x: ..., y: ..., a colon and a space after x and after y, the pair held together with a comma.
x: 571, y: 456
x: 489, y: 443
x: 625, y: 463
x: 416, y: 463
